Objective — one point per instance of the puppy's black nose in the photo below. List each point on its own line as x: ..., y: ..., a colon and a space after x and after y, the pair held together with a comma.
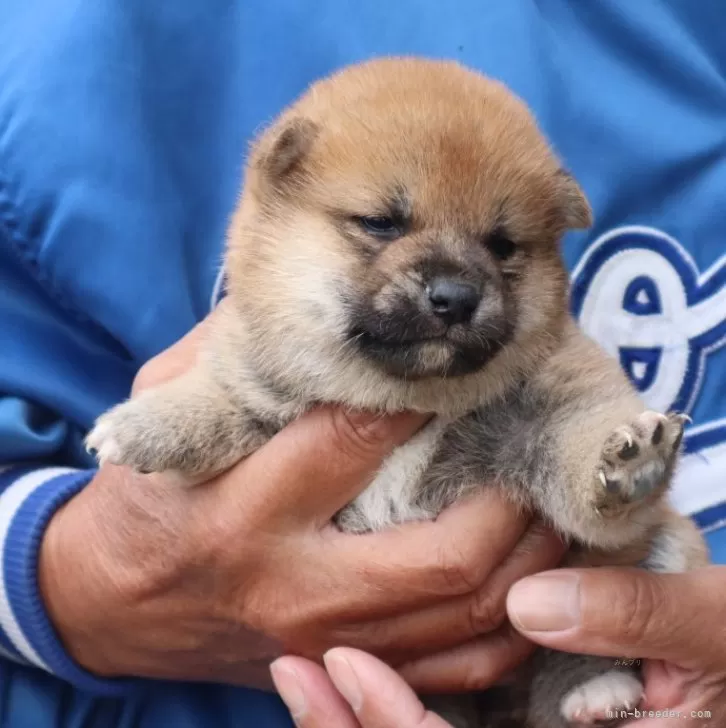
x: 452, y: 299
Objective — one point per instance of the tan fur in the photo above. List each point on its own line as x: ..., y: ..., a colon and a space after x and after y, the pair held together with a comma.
x: 356, y: 160
x: 545, y: 414
x: 683, y: 534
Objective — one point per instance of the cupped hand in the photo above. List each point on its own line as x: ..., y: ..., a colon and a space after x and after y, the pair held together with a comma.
x: 675, y: 623
x: 144, y: 578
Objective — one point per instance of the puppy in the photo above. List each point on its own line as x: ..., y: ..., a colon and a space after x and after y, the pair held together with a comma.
x: 396, y: 247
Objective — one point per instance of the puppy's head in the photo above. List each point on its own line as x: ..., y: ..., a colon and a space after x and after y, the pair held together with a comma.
x: 407, y: 214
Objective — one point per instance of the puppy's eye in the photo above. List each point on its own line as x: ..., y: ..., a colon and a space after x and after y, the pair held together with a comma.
x: 500, y: 245
x: 380, y: 226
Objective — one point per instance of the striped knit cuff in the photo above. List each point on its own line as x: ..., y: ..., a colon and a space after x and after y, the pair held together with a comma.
x: 29, y: 496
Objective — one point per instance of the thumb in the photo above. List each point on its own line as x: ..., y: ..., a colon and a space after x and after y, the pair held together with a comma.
x: 627, y: 613
x: 322, y: 461
x: 178, y: 358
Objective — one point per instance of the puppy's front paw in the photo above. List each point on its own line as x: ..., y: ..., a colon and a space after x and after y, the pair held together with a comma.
x: 604, y: 700
x: 637, y: 460
x: 186, y: 426
x: 134, y: 434
x: 101, y: 442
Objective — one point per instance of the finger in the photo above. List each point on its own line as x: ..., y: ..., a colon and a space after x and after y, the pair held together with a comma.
x: 310, y: 695
x: 321, y: 462
x: 474, y: 666
x: 463, y: 618
x: 371, y: 579
x: 666, y: 684
x: 624, y: 613
x: 377, y: 695
x: 420, y: 563
x: 669, y: 687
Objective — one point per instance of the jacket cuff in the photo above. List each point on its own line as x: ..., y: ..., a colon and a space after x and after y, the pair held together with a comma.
x: 29, y: 496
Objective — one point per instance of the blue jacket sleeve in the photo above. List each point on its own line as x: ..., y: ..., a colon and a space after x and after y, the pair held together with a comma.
x: 47, y: 396
x: 111, y: 224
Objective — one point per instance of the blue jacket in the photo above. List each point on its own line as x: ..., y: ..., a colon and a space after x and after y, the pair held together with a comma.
x: 123, y: 131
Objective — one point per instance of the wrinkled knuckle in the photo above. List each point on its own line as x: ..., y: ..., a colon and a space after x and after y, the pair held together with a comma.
x: 281, y: 621
x: 280, y: 624
x: 460, y: 572
x: 635, y: 607
x: 541, y: 540
x: 486, y: 612
x: 357, y: 439
x: 367, y: 636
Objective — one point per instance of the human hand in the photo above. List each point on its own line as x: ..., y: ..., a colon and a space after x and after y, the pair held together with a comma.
x: 143, y: 578
x: 675, y: 623
x: 355, y: 690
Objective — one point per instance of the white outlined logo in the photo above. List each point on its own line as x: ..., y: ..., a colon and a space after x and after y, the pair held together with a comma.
x: 639, y: 293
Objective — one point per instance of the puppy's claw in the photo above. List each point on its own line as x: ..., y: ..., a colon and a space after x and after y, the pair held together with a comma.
x: 636, y: 460
x: 101, y: 445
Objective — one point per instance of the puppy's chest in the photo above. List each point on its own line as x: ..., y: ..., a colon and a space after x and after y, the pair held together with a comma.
x: 449, y: 458
x: 393, y: 495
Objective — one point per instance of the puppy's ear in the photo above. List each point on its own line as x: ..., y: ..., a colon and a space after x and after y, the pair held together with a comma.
x: 576, y: 208
x: 283, y: 148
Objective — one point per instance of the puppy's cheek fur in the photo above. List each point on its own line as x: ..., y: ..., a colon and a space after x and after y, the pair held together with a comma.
x: 296, y: 279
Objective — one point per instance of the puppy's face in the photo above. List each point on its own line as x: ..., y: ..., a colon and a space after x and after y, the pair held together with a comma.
x: 409, y: 213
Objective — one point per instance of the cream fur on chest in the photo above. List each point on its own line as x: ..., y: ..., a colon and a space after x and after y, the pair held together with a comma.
x: 391, y: 497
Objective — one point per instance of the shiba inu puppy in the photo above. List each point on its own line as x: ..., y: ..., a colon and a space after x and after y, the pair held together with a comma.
x: 396, y: 246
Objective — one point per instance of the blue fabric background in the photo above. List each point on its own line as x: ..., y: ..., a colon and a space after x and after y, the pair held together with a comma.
x: 123, y: 129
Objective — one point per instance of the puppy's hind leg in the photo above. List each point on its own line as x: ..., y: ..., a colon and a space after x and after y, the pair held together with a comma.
x: 189, y: 425
x: 577, y: 690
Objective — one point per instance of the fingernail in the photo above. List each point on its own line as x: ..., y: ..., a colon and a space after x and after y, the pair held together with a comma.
x: 288, y: 686
x: 545, y: 603
x: 344, y: 678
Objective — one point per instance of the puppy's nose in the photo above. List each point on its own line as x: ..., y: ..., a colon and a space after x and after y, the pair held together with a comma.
x: 452, y: 299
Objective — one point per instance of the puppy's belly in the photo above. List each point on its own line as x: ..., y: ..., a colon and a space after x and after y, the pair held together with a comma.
x: 391, y: 497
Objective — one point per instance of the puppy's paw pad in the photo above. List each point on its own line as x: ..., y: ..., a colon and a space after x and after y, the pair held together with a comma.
x: 608, y: 697
x: 637, y: 456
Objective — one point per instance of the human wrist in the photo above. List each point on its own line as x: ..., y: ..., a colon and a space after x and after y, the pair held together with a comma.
x: 77, y: 589
x: 30, y: 498
x: 114, y: 566
x: 58, y: 574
